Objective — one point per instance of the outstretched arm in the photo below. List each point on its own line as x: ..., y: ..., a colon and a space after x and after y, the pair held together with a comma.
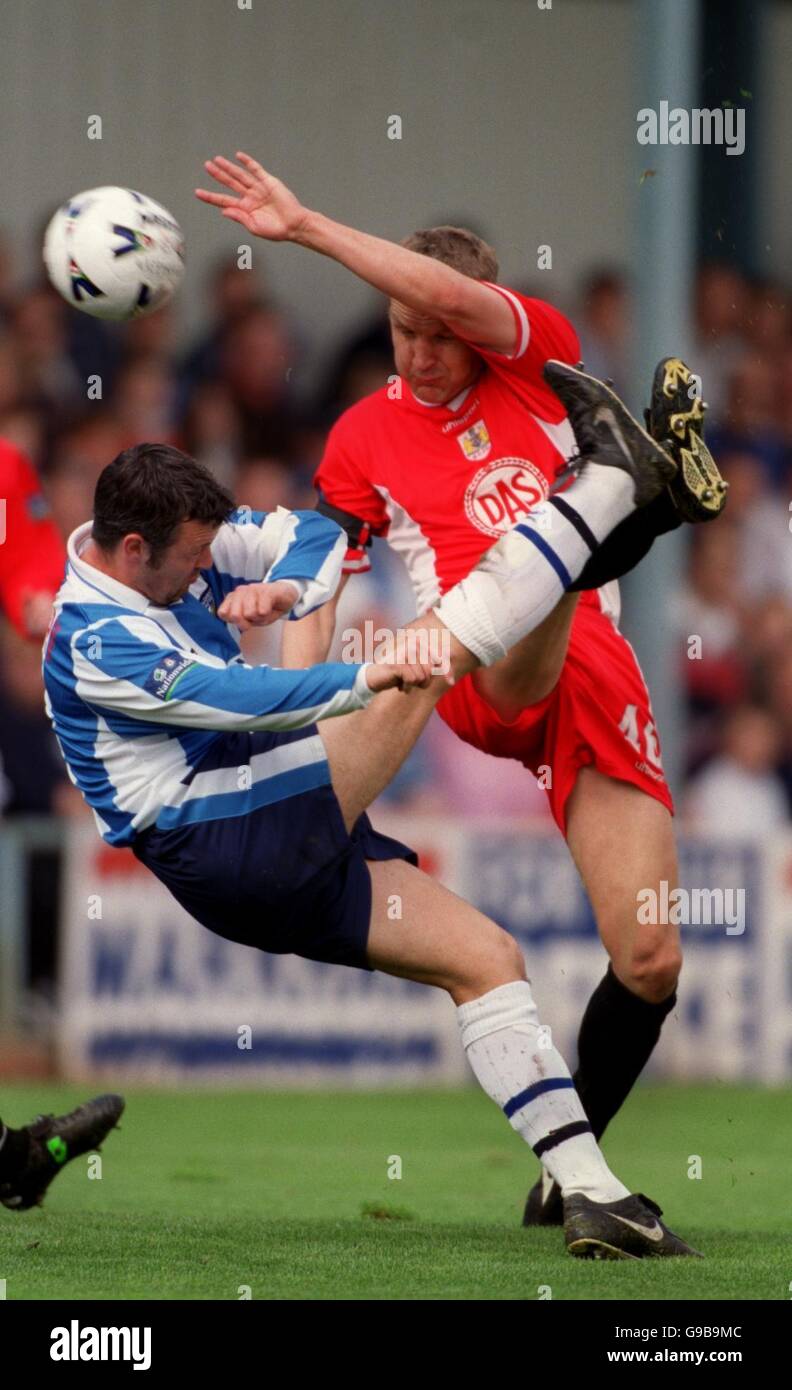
x: 267, y: 208
x: 122, y: 666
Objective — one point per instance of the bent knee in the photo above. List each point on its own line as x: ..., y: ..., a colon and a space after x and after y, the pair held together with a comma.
x: 501, y: 955
x: 652, y: 970
x: 495, y: 959
x: 511, y: 954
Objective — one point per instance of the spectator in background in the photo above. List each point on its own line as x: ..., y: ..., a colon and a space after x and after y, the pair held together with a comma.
x: 750, y: 421
x: 95, y: 348
x: 784, y: 399
x: 768, y: 324
x: 33, y: 772
x: 759, y: 517
x: 361, y: 365
x: 7, y: 295
x: 740, y: 793
x: 256, y: 360
x: 31, y: 775
x: 152, y: 336
x: 706, y: 616
x: 21, y: 423
x: 144, y: 401
x: 767, y: 634
x: 10, y: 376
x: 603, y: 326
x: 32, y: 555
x: 232, y: 293
x: 77, y: 458
x: 211, y: 431
x: 49, y: 376
x: 721, y: 311
x: 267, y: 483
x: 779, y: 690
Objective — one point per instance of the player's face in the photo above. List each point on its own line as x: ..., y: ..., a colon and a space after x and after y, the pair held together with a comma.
x: 434, y: 363
x: 179, y: 566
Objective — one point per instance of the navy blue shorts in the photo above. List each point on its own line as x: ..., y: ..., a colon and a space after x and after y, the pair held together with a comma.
x: 287, y: 877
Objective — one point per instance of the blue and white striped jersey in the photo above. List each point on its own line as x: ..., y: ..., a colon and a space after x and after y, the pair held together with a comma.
x: 138, y: 693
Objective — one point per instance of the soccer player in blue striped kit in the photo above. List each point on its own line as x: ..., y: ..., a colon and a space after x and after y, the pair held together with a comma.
x: 229, y: 782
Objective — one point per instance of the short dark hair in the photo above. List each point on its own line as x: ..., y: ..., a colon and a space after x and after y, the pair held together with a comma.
x: 457, y: 247
x: 152, y: 489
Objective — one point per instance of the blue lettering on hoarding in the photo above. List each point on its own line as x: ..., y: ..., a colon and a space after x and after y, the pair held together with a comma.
x: 282, y: 1049
x: 528, y: 886
x: 531, y: 887
x: 111, y: 962
x: 166, y: 975
x: 149, y: 960
x: 215, y: 958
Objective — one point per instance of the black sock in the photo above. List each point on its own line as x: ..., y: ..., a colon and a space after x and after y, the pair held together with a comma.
x: 617, y: 1037
x: 14, y: 1152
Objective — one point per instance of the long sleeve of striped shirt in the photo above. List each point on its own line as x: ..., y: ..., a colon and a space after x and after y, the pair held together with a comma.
x: 127, y: 665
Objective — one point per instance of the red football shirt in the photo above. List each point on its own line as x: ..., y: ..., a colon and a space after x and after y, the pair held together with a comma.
x: 443, y: 482
x: 32, y: 554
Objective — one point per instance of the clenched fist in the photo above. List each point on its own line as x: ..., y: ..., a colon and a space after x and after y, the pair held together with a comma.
x: 404, y: 675
x: 258, y: 605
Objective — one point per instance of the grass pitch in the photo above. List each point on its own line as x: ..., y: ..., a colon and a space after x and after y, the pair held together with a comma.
x: 287, y: 1196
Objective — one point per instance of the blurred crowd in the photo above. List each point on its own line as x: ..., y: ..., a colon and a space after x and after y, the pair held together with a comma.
x: 74, y: 391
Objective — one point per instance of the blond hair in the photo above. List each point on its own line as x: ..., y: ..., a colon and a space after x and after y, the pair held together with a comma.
x: 457, y: 247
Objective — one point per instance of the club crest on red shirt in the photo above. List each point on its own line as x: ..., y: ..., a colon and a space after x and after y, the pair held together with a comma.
x: 475, y: 443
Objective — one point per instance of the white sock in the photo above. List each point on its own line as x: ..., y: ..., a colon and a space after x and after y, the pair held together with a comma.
x: 521, y: 578
x: 531, y: 1083
x: 602, y: 496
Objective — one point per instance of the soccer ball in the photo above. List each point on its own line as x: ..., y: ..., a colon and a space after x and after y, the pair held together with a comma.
x: 114, y: 253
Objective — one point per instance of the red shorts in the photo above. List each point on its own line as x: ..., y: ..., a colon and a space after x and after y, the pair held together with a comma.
x: 599, y: 715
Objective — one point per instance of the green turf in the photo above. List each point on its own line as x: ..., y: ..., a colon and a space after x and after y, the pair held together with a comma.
x: 288, y: 1194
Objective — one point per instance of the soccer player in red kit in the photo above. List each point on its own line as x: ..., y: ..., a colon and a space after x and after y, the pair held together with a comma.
x: 442, y: 461
x: 32, y: 561
x: 32, y: 554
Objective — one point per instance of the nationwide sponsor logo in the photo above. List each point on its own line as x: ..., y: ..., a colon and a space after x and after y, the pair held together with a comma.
x: 475, y: 443
x: 503, y: 493
x: 165, y: 673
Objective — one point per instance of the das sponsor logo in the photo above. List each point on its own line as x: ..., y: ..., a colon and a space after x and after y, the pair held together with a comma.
x: 503, y: 493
